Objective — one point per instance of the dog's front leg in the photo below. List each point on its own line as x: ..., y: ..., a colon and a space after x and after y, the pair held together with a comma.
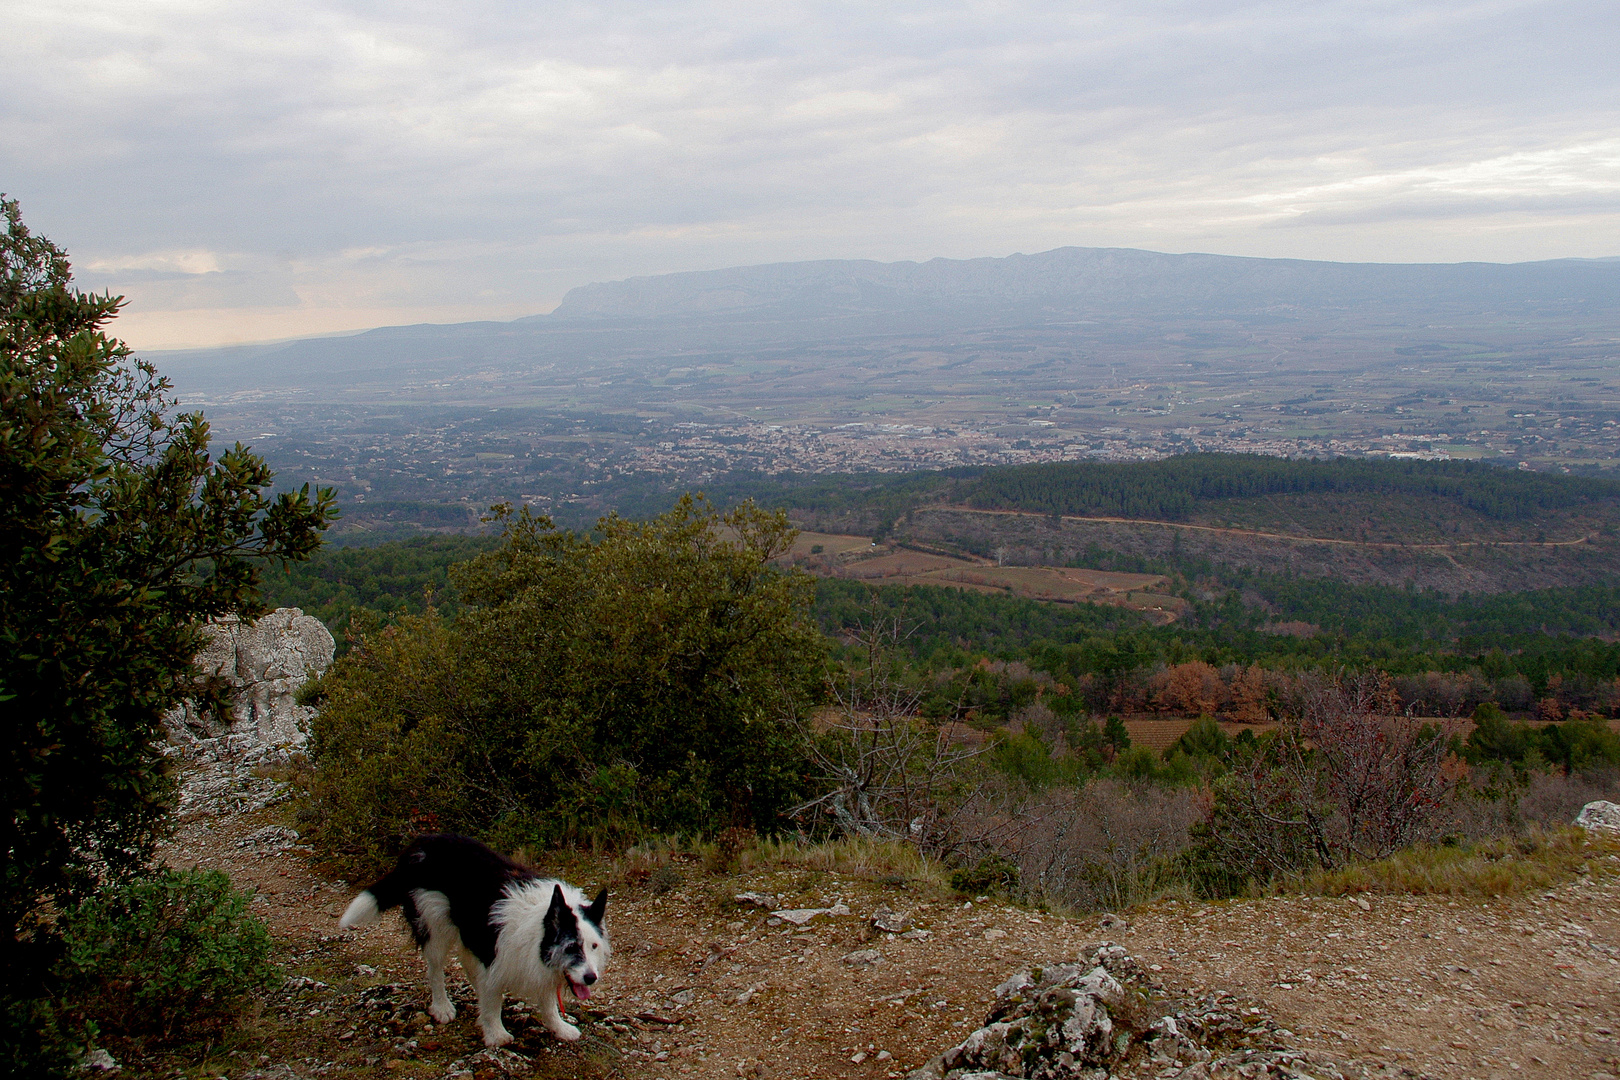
x: 555, y: 1021
x: 490, y: 999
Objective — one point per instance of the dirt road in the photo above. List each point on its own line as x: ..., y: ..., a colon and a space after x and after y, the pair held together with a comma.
x: 1291, y: 537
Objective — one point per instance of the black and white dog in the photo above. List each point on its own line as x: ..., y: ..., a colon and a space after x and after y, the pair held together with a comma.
x: 517, y: 932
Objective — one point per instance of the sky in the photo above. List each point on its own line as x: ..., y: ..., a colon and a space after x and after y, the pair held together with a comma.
x: 248, y: 171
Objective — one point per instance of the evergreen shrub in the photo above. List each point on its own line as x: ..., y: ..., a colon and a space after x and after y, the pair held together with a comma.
x: 176, y: 954
x: 594, y: 690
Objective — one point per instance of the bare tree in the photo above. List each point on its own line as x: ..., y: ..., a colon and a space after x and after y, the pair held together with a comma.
x: 1382, y: 775
x: 1348, y: 777
x: 1108, y: 844
x: 887, y: 773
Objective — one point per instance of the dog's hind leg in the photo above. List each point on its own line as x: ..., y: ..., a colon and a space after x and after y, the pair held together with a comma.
x: 436, y: 933
x: 490, y: 999
x: 555, y: 1021
x: 474, y: 970
x: 436, y: 952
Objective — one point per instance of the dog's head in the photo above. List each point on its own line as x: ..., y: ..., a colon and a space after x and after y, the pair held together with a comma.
x: 574, y: 943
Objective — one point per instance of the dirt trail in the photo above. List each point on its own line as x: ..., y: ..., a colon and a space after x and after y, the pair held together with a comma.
x: 703, y: 987
x: 1275, y: 535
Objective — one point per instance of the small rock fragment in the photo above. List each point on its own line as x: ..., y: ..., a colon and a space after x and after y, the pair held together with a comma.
x: 98, y: 1060
x: 890, y: 922
x: 798, y: 916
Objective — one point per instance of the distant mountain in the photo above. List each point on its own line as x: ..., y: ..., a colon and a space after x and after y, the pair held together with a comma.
x: 1096, y: 300
x: 1082, y: 281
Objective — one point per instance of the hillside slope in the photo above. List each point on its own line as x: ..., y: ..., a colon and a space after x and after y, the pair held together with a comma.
x: 1456, y: 527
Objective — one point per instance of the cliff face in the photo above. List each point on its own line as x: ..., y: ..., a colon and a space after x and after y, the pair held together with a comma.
x: 263, y: 663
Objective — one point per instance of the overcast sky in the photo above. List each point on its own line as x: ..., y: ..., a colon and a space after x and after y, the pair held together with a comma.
x: 247, y: 171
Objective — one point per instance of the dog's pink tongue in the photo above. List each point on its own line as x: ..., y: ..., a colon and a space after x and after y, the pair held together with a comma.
x: 581, y: 991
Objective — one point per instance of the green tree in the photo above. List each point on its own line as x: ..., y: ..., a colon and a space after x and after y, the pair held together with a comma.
x: 593, y: 689
x: 1204, y: 739
x: 121, y: 536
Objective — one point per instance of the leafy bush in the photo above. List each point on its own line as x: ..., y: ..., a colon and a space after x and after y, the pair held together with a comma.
x: 1341, y: 781
x: 1580, y: 744
x: 36, y: 1041
x: 594, y: 690
x: 122, y: 533
x: 178, y: 953
x: 1204, y: 739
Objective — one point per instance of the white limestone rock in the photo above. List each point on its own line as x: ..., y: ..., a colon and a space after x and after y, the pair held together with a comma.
x: 263, y: 664
x: 1600, y: 816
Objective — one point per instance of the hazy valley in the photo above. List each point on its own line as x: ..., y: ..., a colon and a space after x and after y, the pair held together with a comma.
x: 657, y: 384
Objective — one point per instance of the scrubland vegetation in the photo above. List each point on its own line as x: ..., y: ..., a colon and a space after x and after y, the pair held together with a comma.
x: 880, y: 717
x: 678, y: 683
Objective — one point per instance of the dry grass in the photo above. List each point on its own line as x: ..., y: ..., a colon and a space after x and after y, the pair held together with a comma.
x: 831, y: 544
x: 875, y: 860
x: 1506, y: 866
x: 657, y: 860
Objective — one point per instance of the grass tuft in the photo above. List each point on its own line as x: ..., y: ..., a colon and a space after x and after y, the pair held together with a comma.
x: 876, y: 860
x: 1508, y: 866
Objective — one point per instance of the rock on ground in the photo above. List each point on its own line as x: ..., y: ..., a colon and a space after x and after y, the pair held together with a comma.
x: 1603, y: 816
x: 1104, y: 1018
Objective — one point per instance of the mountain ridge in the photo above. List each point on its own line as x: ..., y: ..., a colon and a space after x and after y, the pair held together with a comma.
x: 1075, y: 279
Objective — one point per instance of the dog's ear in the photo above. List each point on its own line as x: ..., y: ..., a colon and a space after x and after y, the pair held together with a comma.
x: 597, y: 908
x: 556, y: 915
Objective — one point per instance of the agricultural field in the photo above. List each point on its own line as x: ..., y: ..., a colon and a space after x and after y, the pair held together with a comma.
x: 861, y: 559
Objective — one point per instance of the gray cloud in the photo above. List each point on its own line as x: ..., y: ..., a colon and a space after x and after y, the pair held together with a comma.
x: 318, y: 165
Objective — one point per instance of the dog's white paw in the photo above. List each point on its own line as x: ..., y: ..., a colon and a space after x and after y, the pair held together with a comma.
x: 566, y: 1032
x: 498, y: 1037
x: 442, y: 1014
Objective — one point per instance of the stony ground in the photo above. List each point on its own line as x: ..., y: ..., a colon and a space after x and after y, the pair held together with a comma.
x: 702, y: 986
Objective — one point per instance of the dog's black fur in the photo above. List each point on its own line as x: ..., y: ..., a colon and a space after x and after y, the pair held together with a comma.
x: 516, y: 930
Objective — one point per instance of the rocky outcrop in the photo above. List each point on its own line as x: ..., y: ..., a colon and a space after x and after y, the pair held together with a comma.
x: 1600, y: 817
x: 1102, y: 1018
x: 262, y: 665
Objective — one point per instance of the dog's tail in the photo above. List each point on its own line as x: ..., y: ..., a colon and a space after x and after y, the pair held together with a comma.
x: 367, y: 908
x: 363, y: 911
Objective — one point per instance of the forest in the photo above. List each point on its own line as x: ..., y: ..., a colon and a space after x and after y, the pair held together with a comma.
x: 1175, y: 488
x: 1511, y: 648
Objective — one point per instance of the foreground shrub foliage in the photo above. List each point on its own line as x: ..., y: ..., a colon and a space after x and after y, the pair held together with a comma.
x: 1343, y: 779
x: 175, y: 954
x: 121, y: 533
x: 594, y: 689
